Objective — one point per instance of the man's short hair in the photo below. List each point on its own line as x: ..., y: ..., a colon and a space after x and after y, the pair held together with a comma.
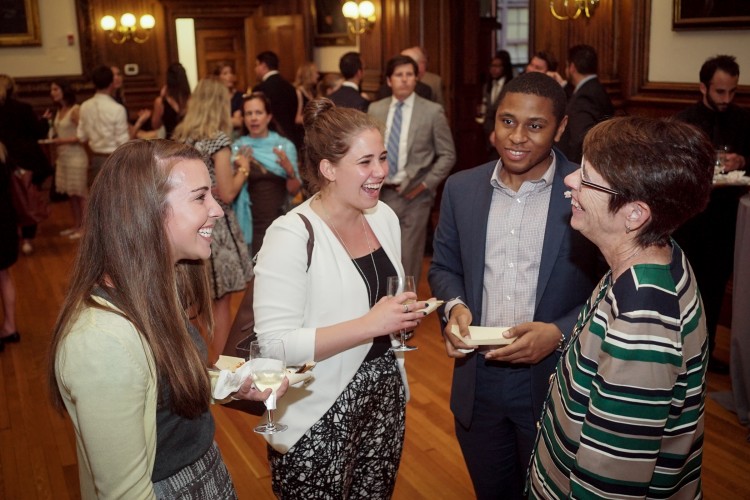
x: 270, y: 59
x: 548, y: 58
x: 397, y: 61
x: 538, y: 84
x: 584, y: 59
x: 102, y: 77
x: 349, y: 64
x: 725, y: 63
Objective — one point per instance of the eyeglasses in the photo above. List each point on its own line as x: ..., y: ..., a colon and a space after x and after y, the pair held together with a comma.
x: 593, y: 185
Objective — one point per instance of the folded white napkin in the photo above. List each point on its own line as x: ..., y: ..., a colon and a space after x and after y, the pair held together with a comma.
x: 231, y: 377
x: 229, y: 381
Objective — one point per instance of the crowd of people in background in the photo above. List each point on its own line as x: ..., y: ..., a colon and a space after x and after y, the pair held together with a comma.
x: 564, y: 236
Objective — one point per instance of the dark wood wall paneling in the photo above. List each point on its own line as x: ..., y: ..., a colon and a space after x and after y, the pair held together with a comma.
x: 620, y: 33
x: 371, y: 50
x: 602, y: 31
x: 150, y: 56
x: 451, y: 30
x: 469, y: 60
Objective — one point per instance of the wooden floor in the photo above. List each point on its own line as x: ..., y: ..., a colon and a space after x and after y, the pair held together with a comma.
x: 37, y: 445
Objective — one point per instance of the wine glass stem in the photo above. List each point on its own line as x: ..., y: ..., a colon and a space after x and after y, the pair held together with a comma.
x: 270, y: 424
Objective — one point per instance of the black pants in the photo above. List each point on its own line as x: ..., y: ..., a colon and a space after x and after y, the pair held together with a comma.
x: 708, y: 241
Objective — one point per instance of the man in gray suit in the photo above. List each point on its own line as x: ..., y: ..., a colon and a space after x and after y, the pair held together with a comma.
x: 420, y: 155
x: 504, y: 255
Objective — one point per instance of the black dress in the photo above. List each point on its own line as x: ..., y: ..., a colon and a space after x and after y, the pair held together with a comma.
x: 8, y: 228
x: 170, y: 119
x: 268, y: 196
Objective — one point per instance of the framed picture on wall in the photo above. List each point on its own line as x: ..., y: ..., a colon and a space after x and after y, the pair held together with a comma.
x: 710, y: 14
x: 19, y: 23
x: 329, y: 23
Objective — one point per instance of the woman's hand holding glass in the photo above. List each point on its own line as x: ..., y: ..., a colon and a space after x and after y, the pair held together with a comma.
x: 283, y: 160
x: 395, y: 286
x: 388, y: 315
x: 268, y: 365
x: 249, y: 392
x: 242, y: 156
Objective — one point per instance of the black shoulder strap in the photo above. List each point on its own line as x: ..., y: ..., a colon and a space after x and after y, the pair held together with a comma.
x: 310, y: 239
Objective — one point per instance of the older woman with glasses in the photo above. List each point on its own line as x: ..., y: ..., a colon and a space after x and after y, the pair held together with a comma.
x: 624, y: 415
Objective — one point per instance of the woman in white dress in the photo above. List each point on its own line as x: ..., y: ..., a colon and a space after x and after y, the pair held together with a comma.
x: 72, y: 161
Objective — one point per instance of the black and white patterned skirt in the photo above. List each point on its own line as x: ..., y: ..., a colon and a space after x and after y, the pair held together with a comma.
x: 354, y: 450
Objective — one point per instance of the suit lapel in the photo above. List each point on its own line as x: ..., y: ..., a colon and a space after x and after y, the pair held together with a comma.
x: 417, y: 115
x: 477, y: 228
x: 380, y: 111
x: 558, y: 223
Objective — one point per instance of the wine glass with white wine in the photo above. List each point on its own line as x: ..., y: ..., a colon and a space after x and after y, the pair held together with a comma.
x: 396, y: 285
x: 268, y: 368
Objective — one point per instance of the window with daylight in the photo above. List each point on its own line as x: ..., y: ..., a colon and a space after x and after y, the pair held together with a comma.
x: 514, y: 37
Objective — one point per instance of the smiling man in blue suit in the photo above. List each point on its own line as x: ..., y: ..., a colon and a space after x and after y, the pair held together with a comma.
x: 505, y: 255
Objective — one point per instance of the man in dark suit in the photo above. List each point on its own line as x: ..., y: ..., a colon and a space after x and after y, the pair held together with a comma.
x: 504, y: 255
x: 420, y: 155
x: 348, y: 95
x: 280, y: 92
x: 708, y: 238
x: 589, y: 103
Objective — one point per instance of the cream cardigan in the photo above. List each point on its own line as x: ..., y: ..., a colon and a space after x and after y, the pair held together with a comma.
x: 290, y: 304
x: 107, y: 378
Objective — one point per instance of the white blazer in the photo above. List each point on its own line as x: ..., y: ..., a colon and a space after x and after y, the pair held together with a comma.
x: 289, y: 304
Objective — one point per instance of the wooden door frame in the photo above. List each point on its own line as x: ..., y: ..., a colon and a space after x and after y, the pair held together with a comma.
x: 175, y: 9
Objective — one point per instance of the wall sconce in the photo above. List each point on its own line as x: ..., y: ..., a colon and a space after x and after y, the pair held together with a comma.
x: 582, y: 6
x: 360, y: 17
x: 127, y: 29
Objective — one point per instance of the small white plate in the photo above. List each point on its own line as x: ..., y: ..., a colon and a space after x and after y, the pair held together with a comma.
x: 733, y: 178
x: 484, y: 335
x: 232, y: 363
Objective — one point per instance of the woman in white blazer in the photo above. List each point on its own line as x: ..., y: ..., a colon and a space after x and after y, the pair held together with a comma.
x: 346, y: 428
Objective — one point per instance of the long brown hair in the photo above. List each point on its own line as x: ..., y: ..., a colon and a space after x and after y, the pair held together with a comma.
x: 125, y: 248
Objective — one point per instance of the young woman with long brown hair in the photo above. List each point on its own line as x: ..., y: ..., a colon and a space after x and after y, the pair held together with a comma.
x: 207, y: 127
x: 127, y: 361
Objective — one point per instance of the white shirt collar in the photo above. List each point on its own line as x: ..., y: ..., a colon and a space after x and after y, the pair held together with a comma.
x: 586, y: 79
x: 353, y: 85
x: 408, y: 102
x: 546, y: 179
x: 270, y: 74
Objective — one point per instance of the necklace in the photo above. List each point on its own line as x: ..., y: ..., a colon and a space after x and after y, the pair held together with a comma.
x: 370, y: 295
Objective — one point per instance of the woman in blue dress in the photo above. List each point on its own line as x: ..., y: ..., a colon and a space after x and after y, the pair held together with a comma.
x: 274, y: 175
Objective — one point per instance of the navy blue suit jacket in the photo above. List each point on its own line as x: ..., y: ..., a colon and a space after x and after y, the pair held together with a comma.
x: 586, y: 107
x: 283, y: 99
x: 347, y: 97
x: 569, y: 270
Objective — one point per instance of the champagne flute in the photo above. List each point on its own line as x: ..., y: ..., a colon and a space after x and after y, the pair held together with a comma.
x: 268, y: 368
x: 396, y: 285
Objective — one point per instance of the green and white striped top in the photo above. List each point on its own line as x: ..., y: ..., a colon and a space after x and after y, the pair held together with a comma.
x: 625, y: 413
